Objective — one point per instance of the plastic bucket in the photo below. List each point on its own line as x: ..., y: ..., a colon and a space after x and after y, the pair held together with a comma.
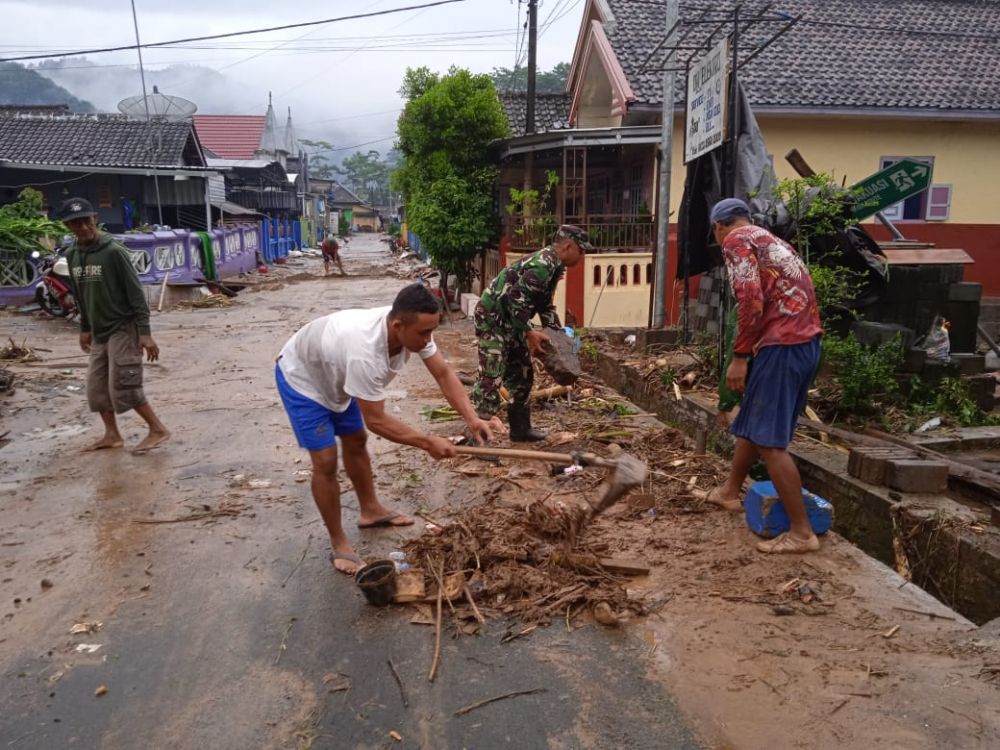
x: 377, y: 582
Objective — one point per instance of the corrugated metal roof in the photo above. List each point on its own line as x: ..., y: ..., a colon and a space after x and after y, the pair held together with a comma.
x: 230, y: 136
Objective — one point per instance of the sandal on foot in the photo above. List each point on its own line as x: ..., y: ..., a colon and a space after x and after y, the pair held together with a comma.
x: 387, y: 520
x: 732, y: 505
x: 349, y: 557
x: 788, y: 544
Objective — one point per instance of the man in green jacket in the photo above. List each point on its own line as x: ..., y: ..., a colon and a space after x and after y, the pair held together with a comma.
x: 505, y: 336
x: 114, y: 326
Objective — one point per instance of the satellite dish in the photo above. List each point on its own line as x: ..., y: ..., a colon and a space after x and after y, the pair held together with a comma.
x: 161, y: 106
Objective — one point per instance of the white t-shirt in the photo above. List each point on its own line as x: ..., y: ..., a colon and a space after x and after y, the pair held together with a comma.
x: 342, y: 356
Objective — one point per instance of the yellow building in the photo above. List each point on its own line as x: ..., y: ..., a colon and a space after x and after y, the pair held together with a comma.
x: 853, y: 85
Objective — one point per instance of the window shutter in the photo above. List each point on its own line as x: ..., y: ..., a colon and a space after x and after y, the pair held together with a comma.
x: 938, y: 202
x: 894, y: 212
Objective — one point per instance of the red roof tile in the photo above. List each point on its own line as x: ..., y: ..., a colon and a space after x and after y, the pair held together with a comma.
x: 230, y: 136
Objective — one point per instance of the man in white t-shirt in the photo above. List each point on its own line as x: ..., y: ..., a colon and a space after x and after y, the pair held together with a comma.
x: 332, y: 376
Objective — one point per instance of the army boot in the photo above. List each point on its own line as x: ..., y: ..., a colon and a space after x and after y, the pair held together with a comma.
x: 519, y: 416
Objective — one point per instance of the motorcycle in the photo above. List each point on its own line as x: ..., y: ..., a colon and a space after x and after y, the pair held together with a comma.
x: 53, y: 292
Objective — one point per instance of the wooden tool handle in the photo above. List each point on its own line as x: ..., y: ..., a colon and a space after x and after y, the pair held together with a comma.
x: 585, y: 459
x: 552, y: 458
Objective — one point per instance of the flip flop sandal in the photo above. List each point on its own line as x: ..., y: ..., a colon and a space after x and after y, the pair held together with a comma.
x: 786, y: 544
x: 386, y: 521
x: 350, y: 557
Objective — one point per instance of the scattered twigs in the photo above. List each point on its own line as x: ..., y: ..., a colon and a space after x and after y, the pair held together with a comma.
x: 479, y: 704
x: 472, y: 603
x: 304, y: 551
x: 399, y: 682
x: 223, y: 509
x: 283, y: 646
x: 933, y: 615
x: 437, y: 628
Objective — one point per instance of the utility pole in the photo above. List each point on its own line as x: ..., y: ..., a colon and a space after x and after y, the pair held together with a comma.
x: 666, y: 154
x: 529, y: 120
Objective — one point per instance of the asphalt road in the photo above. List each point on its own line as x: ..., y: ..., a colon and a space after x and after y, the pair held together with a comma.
x: 213, y: 634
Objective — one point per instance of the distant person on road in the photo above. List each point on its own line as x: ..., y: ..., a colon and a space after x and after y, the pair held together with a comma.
x: 114, y: 326
x: 332, y: 375
x: 504, y: 333
x: 775, y: 356
x: 331, y: 254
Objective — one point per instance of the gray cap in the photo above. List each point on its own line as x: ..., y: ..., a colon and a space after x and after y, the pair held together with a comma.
x: 728, y: 209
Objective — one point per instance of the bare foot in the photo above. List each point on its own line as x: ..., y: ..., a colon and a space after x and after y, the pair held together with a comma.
x: 717, y: 497
x: 383, y: 517
x: 346, y: 562
x: 108, y: 441
x: 153, y: 439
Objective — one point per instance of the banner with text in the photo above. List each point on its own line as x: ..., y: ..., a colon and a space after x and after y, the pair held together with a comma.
x: 707, y: 93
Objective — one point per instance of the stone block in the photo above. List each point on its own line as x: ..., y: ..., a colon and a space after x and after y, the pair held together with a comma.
x: 982, y: 390
x: 913, y: 360
x: 934, y: 370
x: 559, y: 359
x: 965, y: 291
x: 653, y: 337
x: 871, y: 463
x: 712, y: 326
x: 917, y: 475
x: 970, y: 364
x: 468, y: 303
x: 934, y: 291
x: 874, y: 334
x: 963, y: 317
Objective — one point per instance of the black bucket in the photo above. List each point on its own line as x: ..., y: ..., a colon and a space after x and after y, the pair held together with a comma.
x: 377, y: 582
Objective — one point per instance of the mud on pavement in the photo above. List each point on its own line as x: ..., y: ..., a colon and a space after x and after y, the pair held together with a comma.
x: 213, y: 618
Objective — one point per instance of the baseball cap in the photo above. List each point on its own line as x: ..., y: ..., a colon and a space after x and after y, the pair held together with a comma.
x: 728, y: 209
x: 578, y: 235
x: 76, y: 208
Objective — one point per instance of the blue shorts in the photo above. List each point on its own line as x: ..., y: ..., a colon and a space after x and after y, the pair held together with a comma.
x: 776, y: 393
x: 316, y: 427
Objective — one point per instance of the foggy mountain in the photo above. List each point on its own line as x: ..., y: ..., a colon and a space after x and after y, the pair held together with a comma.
x: 213, y: 92
x: 19, y: 85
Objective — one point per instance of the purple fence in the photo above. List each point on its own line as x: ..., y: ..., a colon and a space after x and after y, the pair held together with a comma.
x: 154, y: 255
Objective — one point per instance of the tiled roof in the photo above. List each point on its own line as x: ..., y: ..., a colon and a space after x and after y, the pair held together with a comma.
x: 345, y: 196
x: 230, y: 136
x: 854, y: 64
x: 97, y: 141
x: 551, y: 111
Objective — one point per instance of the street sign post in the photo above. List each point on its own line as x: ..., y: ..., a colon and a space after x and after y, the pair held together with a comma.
x: 707, y: 102
x: 893, y: 184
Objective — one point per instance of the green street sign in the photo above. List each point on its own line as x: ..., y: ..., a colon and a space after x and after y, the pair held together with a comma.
x: 890, y: 186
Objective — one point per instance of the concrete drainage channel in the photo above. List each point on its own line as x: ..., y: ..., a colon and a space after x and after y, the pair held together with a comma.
x: 942, y: 543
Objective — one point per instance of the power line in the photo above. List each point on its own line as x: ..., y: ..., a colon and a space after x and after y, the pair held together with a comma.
x: 227, y: 35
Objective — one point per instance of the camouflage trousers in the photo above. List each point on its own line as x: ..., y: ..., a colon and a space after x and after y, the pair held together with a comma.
x: 503, y: 360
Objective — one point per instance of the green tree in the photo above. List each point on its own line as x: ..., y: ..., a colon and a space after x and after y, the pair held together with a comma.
x: 546, y: 82
x: 319, y: 164
x: 447, y: 176
x: 367, y: 174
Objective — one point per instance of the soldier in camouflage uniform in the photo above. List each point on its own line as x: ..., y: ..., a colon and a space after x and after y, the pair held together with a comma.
x: 506, y: 339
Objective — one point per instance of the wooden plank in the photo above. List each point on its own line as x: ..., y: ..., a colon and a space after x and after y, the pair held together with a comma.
x: 624, y: 567
x: 924, y: 257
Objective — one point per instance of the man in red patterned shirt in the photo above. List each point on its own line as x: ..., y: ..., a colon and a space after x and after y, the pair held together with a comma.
x: 775, y: 356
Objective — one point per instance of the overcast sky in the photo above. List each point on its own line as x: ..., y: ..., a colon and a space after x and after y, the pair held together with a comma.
x: 340, y: 79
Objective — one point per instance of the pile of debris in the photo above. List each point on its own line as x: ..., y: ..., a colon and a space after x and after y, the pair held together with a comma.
x: 505, y: 561
x: 18, y: 352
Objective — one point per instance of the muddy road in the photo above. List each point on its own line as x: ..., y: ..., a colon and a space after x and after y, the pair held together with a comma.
x: 198, y: 574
